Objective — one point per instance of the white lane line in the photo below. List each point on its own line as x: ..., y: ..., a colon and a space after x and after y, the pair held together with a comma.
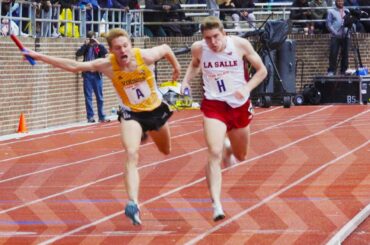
x: 96, y: 222
x: 137, y: 233
x: 74, y: 125
x: 19, y: 136
x: 184, y: 119
x: 16, y: 233
x: 116, y: 175
x: 99, y: 156
x: 84, y: 142
x: 59, y: 148
x: 121, y: 151
x: 272, y: 196
x: 48, y: 130
x: 346, y: 230
x: 292, y: 119
x: 269, y: 198
x: 86, y: 160
x: 60, y: 193
x: 97, y: 181
x: 269, y: 110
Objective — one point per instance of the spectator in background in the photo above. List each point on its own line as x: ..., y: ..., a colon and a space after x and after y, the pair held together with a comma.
x: 245, y: 15
x: 55, y: 10
x: 8, y: 25
x: 109, y: 15
x: 212, y: 5
x: 120, y: 16
x: 135, y: 17
x: 154, y: 30
x: 366, y: 24
x: 196, y: 1
x: 355, y: 8
x: 339, y: 37
x: 224, y: 13
x: 318, y: 14
x: 301, y: 14
x: 93, y: 81
x: 330, y: 3
x: 45, y: 10
x: 92, y: 14
x: 69, y: 13
x: 10, y: 8
x: 67, y: 3
x: 125, y: 6
x: 166, y: 7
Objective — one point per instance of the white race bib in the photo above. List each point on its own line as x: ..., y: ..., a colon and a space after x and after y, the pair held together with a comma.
x: 137, y: 92
x: 221, y: 84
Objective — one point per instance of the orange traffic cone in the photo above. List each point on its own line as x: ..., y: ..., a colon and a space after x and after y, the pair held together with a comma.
x: 22, y: 127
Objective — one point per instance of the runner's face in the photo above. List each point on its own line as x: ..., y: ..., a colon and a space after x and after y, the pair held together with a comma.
x: 215, y: 39
x: 121, y: 48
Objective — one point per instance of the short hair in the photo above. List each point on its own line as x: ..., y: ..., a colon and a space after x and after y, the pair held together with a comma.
x: 114, y: 33
x: 90, y: 34
x: 211, y: 22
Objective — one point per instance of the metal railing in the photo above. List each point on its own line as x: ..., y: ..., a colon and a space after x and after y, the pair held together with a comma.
x: 76, y: 21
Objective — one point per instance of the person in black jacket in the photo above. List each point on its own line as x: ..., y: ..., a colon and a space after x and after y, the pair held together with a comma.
x: 45, y: 10
x: 301, y: 14
x: 93, y: 81
x: 366, y: 13
x: 167, y: 14
x: 246, y: 14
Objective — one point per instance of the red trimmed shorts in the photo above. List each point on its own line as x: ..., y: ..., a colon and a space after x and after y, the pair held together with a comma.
x: 233, y: 118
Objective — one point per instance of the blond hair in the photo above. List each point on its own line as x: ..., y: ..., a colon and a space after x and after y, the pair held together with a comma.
x: 211, y: 22
x: 114, y: 33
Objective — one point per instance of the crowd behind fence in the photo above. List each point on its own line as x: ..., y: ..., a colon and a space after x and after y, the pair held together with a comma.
x: 74, y: 21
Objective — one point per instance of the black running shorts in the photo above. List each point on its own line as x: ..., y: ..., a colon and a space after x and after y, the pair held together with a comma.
x: 149, y: 120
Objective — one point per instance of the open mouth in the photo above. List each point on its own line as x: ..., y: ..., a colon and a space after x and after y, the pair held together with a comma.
x: 214, y: 48
x: 124, y: 57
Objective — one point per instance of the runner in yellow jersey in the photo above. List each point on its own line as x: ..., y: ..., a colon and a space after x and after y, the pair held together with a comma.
x: 131, y: 72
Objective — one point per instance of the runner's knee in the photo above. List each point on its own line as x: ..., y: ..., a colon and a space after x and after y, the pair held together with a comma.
x: 215, y: 153
x: 132, y: 154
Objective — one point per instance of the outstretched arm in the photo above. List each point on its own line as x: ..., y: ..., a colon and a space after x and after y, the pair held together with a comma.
x: 194, y: 66
x: 154, y: 54
x: 67, y: 64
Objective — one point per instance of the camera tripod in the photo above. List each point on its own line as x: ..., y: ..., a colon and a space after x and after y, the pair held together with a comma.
x: 353, y: 45
x: 270, y: 39
x: 355, y: 48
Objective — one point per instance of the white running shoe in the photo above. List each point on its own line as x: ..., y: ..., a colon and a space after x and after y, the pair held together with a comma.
x: 229, y: 160
x: 218, y: 213
x: 227, y: 157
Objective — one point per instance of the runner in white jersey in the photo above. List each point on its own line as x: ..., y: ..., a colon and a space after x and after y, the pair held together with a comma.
x: 223, y: 73
x: 226, y: 105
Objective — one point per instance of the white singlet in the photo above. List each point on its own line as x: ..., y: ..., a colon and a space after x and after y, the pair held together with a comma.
x: 223, y: 73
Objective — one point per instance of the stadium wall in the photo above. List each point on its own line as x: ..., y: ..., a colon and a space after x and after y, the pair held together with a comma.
x: 50, y: 97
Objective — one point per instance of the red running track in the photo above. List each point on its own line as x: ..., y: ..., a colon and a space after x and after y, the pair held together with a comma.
x: 306, y: 177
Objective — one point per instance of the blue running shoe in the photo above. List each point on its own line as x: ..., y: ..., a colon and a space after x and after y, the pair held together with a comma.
x: 132, y: 212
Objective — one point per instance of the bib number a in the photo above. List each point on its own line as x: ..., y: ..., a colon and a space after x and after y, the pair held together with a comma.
x: 137, y: 92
